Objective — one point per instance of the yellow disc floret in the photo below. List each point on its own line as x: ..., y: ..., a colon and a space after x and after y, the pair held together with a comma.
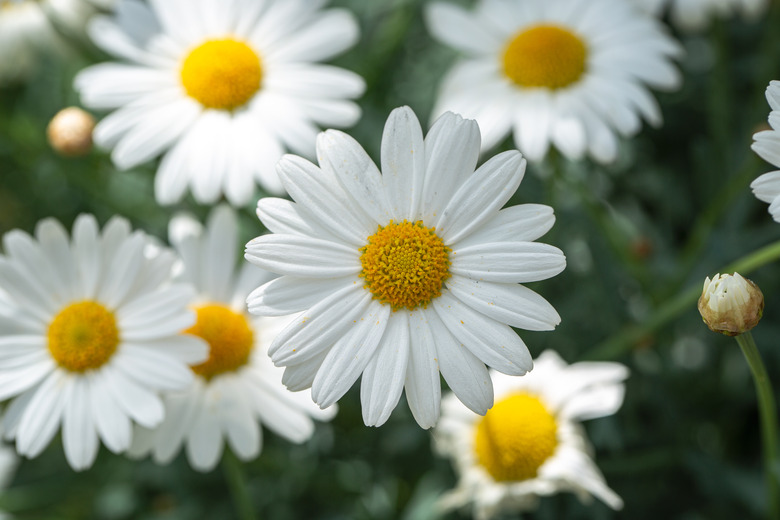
x: 222, y: 74
x: 545, y: 56
x: 229, y: 336
x: 515, y: 437
x: 405, y: 264
x: 83, y: 336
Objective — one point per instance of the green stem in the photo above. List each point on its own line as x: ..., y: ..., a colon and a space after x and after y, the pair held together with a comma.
x: 768, y: 413
x: 236, y: 479
x: 625, y: 339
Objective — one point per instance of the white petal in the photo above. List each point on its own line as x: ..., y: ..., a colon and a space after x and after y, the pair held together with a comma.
x: 299, y: 256
x: 383, y: 378
x: 403, y: 163
x: 111, y: 423
x: 288, y: 294
x: 524, y: 222
x: 508, y: 262
x: 423, y: 385
x: 79, y: 436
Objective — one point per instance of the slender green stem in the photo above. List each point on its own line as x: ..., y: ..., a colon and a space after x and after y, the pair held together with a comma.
x: 236, y: 480
x: 768, y: 413
x: 625, y: 339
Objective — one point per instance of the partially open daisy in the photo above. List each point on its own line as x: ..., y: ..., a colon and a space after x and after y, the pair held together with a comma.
x: 695, y: 15
x: 530, y: 444
x: 89, y: 336
x: 405, y: 273
x: 237, y: 388
x: 569, y: 73
x: 220, y: 88
x: 767, y: 145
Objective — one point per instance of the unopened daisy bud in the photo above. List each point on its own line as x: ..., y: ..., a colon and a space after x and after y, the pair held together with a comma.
x: 70, y: 132
x: 731, y: 304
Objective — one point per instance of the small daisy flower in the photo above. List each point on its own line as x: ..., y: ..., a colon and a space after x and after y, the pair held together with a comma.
x: 694, y: 15
x: 530, y: 444
x: 404, y: 273
x: 238, y: 387
x: 767, y: 145
x: 89, y: 335
x: 567, y: 73
x: 221, y: 89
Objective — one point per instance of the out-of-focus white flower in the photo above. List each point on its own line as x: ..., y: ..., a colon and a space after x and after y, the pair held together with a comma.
x: 695, y: 15
x: 89, y: 335
x: 767, y: 145
x: 237, y: 389
x: 220, y: 89
x: 27, y: 31
x: 567, y: 73
x: 731, y: 304
x: 403, y: 273
x: 530, y: 444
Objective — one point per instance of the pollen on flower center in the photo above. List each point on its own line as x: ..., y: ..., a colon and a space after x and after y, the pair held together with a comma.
x: 515, y: 437
x: 83, y: 336
x: 545, y: 56
x: 229, y: 336
x: 222, y: 74
x: 405, y: 264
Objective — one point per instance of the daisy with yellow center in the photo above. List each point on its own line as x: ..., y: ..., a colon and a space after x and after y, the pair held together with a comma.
x: 530, y: 444
x: 219, y: 90
x: 89, y: 336
x: 237, y: 389
x: 564, y: 73
x: 403, y: 274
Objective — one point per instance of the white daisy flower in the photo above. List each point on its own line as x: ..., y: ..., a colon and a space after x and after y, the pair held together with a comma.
x: 404, y: 273
x: 220, y: 88
x: 767, y: 145
x: 238, y: 386
x: 8, y: 464
x: 567, y: 73
x: 89, y: 335
x: 694, y: 15
x: 530, y: 444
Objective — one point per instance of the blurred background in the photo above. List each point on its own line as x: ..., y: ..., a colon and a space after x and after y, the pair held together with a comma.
x: 639, y: 236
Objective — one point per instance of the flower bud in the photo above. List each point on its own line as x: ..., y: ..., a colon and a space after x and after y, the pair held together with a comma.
x: 70, y: 132
x: 731, y: 304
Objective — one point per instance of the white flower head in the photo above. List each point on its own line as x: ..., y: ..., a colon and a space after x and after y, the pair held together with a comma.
x: 237, y: 388
x: 89, y: 335
x: 730, y: 304
x: 405, y: 273
x: 695, y: 15
x: 530, y: 444
x: 767, y: 145
x: 220, y: 88
x: 567, y: 73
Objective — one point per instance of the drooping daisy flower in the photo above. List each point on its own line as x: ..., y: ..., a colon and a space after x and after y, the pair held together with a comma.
x: 405, y: 273
x: 567, y: 73
x: 695, y: 15
x: 530, y: 444
x: 767, y: 145
x: 88, y: 336
x: 238, y: 386
x: 220, y: 88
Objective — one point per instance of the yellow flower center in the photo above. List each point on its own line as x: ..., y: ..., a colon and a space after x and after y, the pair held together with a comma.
x: 405, y: 264
x: 229, y: 336
x: 515, y: 437
x: 545, y: 56
x: 83, y: 336
x: 222, y: 74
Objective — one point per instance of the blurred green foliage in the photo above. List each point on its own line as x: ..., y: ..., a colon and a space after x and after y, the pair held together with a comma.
x: 674, y: 208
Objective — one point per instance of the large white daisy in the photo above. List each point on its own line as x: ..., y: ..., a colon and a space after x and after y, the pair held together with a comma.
x: 567, y: 73
x: 403, y: 273
x: 221, y: 88
x: 237, y: 388
x: 530, y: 444
x: 767, y: 145
x: 696, y: 14
x: 89, y: 335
